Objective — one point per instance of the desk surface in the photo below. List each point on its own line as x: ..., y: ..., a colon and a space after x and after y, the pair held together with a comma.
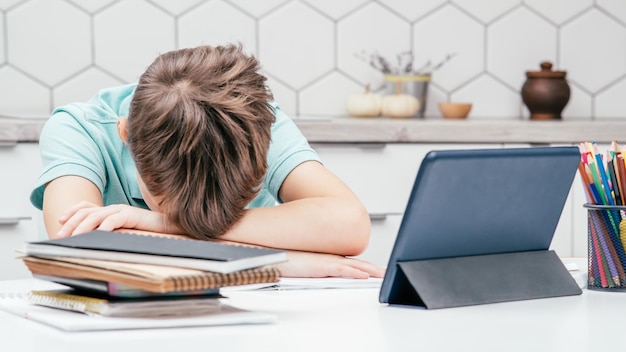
x: 353, y: 320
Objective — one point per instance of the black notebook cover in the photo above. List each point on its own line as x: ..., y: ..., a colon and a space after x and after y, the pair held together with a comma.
x: 189, y: 253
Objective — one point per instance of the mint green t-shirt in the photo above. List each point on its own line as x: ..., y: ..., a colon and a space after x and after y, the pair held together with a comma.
x: 81, y: 139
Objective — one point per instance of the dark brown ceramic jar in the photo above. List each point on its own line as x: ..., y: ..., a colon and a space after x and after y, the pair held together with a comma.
x: 545, y: 92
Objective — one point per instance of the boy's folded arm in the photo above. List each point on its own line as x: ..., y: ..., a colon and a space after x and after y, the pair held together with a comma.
x: 305, y: 264
x: 319, y: 214
x: 61, y: 195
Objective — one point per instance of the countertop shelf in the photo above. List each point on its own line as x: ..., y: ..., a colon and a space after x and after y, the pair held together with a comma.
x: 414, y: 130
x: 14, y: 130
x: 386, y: 130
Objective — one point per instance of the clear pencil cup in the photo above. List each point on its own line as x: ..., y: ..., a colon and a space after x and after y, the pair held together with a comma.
x: 606, y: 236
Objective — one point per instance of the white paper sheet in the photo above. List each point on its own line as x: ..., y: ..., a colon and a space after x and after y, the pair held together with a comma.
x: 74, y: 321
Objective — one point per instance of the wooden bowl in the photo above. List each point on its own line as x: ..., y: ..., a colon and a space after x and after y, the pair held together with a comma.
x: 455, y: 110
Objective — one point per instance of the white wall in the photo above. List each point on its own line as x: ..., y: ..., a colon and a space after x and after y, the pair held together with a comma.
x: 57, y: 51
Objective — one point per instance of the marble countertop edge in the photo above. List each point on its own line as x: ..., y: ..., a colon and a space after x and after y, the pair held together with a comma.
x: 386, y: 130
x: 20, y: 130
x: 412, y: 130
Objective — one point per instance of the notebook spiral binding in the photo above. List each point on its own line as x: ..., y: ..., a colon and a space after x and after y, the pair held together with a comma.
x: 66, y: 301
x: 188, y: 283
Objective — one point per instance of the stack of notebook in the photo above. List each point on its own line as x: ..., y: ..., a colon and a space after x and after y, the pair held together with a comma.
x: 131, y: 275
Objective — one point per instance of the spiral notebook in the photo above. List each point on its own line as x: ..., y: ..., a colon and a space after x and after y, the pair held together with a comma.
x: 153, y: 278
x: 91, y: 303
x: 115, y: 289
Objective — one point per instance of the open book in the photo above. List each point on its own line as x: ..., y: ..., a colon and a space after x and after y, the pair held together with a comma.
x: 153, y: 278
x: 147, y: 249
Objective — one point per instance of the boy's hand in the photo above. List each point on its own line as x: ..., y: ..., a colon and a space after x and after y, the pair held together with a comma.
x: 86, y: 216
x: 311, y: 264
x: 308, y: 264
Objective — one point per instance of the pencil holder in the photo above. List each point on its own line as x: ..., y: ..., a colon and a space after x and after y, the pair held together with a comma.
x: 606, y: 229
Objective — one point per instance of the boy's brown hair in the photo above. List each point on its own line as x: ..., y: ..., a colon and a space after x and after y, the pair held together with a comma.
x: 199, y: 131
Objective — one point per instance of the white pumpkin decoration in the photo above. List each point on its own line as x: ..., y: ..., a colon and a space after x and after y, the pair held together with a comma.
x: 365, y: 104
x: 400, y: 105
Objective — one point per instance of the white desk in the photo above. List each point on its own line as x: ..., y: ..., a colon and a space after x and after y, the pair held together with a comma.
x: 353, y: 320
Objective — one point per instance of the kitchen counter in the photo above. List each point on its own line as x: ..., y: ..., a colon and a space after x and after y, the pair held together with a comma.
x: 387, y: 130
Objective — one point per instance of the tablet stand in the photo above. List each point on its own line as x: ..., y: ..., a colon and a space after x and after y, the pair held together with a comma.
x: 463, y: 281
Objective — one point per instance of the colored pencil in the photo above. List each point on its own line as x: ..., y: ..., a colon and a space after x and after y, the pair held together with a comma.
x: 604, y: 181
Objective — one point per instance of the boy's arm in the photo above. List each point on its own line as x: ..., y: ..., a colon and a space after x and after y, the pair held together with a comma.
x: 64, y: 193
x: 79, y: 197
x: 73, y: 205
x: 307, y: 264
x: 319, y: 214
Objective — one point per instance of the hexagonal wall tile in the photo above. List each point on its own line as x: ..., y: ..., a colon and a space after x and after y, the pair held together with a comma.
x: 610, y: 103
x: 328, y: 96
x: 487, y: 10
x: 285, y: 97
x: 593, y: 51
x: 176, y: 7
x: 336, y: 9
x: 296, y: 44
x: 83, y: 86
x: 578, y: 107
x: 217, y: 22
x: 57, y: 47
x: 21, y: 95
x: 370, y: 29
x: 7, y: 4
x: 534, y: 40
x: 307, y: 47
x: 490, y: 99
x: 258, y: 8
x: 92, y: 5
x: 449, y: 31
x: 559, y: 11
x: 412, y: 10
x: 614, y: 7
x: 125, y: 44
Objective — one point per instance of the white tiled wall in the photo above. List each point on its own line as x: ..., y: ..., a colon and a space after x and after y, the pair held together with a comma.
x: 56, y: 51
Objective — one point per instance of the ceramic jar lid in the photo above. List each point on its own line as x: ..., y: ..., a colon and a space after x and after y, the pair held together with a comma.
x: 546, y: 72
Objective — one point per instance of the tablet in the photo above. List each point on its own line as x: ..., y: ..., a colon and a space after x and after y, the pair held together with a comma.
x: 483, y: 201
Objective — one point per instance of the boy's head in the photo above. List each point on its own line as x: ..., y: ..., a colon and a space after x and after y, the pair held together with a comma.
x: 199, y: 131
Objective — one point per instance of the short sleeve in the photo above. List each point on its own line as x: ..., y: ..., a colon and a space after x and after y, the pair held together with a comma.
x: 288, y: 149
x: 67, y: 148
